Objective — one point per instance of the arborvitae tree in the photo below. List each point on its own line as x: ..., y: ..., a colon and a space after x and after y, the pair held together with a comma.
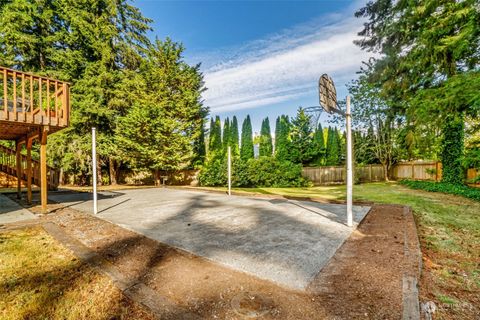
x: 199, y: 149
x: 282, y: 141
x: 215, y: 142
x: 266, y: 147
x: 301, y: 136
x: 234, y: 137
x: 246, y: 150
x: 332, y: 147
x: 319, y: 146
x: 226, y: 139
x: 342, y: 147
x: 277, y: 134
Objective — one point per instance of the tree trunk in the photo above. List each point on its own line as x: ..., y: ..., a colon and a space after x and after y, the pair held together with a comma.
x: 112, y: 171
x: 157, y: 177
x: 385, y: 169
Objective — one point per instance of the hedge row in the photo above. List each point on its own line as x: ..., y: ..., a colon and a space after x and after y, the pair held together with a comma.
x: 261, y: 172
x: 456, y: 189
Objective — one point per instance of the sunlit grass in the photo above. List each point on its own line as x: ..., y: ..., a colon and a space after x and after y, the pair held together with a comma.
x: 39, y: 279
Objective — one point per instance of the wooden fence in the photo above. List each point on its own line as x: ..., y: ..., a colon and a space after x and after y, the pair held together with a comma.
x: 418, y: 170
x: 334, y: 175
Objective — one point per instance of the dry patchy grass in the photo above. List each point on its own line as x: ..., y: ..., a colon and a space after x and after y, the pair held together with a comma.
x: 40, y: 279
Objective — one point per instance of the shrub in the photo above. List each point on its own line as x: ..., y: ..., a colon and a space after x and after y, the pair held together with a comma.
x: 456, y: 189
x: 213, y: 173
x: 270, y: 172
x: 261, y: 172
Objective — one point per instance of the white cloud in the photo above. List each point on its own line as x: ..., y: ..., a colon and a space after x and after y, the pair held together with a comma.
x: 284, y: 66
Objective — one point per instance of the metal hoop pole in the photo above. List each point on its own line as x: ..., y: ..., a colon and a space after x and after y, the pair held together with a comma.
x: 349, y: 166
x: 94, y: 170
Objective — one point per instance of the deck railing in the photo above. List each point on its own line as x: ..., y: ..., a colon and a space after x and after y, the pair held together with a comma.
x: 8, y: 166
x: 33, y: 99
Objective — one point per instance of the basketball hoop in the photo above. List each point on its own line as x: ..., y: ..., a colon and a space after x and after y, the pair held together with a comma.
x: 327, y: 94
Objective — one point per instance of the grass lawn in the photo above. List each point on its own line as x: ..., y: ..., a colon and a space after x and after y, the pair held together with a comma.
x: 449, y: 231
x: 39, y: 279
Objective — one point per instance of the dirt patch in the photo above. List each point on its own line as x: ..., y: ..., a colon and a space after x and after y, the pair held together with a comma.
x: 363, y: 280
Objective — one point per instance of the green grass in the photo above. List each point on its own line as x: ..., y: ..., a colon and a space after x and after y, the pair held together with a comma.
x: 449, y: 231
x: 40, y: 279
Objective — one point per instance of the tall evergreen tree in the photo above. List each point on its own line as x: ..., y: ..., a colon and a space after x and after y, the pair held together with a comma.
x: 277, y: 134
x: 301, y: 136
x: 266, y: 147
x: 332, y: 156
x: 246, y: 150
x: 159, y: 131
x: 215, y: 144
x: 226, y: 135
x: 199, y: 148
x: 234, y: 135
x: 91, y: 44
x: 319, y: 146
x: 282, y: 140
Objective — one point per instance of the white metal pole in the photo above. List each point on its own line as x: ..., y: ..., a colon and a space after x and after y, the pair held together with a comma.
x: 229, y: 171
x: 349, y: 166
x: 94, y: 169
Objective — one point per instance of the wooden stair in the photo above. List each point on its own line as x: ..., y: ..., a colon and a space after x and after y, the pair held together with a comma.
x: 8, y: 165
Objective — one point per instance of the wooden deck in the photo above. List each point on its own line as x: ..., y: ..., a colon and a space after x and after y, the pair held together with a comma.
x: 31, y: 107
x: 30, y: 102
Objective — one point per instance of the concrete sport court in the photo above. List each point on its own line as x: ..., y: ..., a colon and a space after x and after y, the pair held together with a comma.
x: 284, y: 241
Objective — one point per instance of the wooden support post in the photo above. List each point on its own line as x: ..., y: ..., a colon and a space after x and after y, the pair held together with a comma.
x: 29, y: 170
x: 18, y: 162
x: 43, y: 168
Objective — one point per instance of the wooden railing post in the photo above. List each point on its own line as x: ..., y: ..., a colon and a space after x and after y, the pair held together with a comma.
x: 18, y: 163
x: 29, y: 170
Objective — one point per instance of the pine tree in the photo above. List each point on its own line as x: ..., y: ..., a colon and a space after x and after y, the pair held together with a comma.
x: 246, y: 150
x: 266, y: 147
x: 234, y: 137
x: 319, y: 146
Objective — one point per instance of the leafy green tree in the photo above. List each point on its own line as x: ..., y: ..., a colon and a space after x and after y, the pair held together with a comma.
x: 429, y: 65
x: 282, y: 139
x: 266, y: 146
x: 246, y: 150
x: 301, y: 136
x: 159, y: 130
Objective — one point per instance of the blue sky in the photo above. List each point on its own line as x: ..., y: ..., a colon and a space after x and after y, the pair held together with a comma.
x: 262, y: 58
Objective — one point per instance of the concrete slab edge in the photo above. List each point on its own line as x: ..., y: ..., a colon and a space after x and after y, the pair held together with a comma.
x: 161, y: 307
x: 413, y: 267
